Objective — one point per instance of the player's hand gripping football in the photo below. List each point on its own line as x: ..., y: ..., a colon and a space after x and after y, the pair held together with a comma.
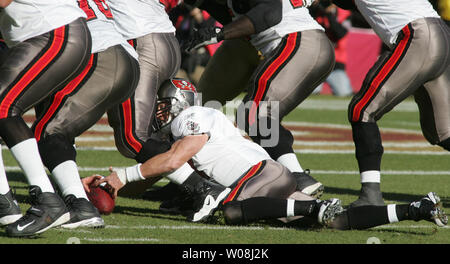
x: 202, y: 37
x: 112, y: 182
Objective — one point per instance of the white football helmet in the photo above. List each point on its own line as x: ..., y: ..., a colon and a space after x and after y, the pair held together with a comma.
x: 174, y: 96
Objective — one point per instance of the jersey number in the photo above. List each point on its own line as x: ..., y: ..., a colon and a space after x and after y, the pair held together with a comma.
x: 296, y: 3
x: 102, y: 6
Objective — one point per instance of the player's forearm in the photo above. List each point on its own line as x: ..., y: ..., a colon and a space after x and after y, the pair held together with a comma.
x: 160, y: 164
x: 5, y: 3
x: 180, y: 152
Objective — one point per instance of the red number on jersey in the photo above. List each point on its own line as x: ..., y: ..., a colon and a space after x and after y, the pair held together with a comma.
x: 101, y: 5
x: 296, y: 3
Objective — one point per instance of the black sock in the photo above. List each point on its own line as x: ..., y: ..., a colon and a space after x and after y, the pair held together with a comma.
x: 363, y: 217
x: 402, y: 212
x: 306, y: 208
x: 264, y: 208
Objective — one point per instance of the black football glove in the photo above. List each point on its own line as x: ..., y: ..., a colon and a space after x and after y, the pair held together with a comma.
x: 202, y: 37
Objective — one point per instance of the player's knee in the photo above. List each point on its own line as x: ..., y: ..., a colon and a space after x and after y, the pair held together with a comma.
x: 56, y: 149
x: 445, y: 144
x: 232, y: 212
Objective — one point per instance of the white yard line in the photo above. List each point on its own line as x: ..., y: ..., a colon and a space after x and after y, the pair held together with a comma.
x: 99, y: 239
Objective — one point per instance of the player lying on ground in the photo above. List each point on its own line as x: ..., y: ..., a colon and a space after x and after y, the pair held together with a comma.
x: 255, y: 187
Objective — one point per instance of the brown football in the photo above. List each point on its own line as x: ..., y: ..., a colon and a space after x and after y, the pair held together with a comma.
x: 101, y: 199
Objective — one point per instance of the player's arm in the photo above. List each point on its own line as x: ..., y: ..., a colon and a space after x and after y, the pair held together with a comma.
x: 181, y: 152
x: 5, y: 3
x: 164, y: 163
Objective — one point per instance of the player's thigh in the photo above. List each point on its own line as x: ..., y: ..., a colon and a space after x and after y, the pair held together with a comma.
x: 273, y: 181
x: 159, y: 60
x: 33, y: 69
x: 228, y: 71
x: 433, y: 100
x: 398, y: 73
x: 291, y: 72
x: 110, y: 81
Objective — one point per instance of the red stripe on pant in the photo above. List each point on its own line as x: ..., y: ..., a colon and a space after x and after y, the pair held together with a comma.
x: 59, y: 97
x: 128, y: 126
x: 247, y: 176
x: 382, y: 74
x: 269, y: 72
x: 35, y: 70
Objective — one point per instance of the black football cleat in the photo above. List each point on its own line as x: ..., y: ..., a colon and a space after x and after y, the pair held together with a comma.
x: 429, y: 209
x: 82, y: 213
x: 207, y: 198
x: 328, y: 211
x: 307, y: 184
x: 47, y: 210
x: 9, y: 209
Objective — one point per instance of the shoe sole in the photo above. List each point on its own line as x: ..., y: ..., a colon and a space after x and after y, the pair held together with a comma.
x: 315, y: 190
x: 95, y: 222
x: 440, y: 218
x: 328, y: 214
x: 206, y: 211
x: 61, y: 220
x: 9, y: 219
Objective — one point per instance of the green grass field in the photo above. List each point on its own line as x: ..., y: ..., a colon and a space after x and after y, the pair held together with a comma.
x: 410, y: 169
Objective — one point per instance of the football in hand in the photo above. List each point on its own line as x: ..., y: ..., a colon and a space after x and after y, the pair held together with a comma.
x: 101, y: 199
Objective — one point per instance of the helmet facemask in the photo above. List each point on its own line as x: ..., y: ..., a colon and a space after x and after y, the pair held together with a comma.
x: 173, y: 98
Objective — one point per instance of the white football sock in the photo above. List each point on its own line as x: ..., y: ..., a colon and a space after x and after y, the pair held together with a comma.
x: 27, y: 155
x: 290, y: 161
x: 4, y: 186
x: 68, y: 179
x: 392, y: 213
x: 372, y: 176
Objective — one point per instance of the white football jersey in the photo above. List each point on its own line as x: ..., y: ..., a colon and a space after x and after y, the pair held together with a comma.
x: 294, y: 19
x: 103, y: 29
x: 388, y: 17
x: 25, y: 19
x: 137, y: 18
x: 227, y: 155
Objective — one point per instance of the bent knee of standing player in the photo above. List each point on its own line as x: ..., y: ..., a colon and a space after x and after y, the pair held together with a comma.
x: 56, y: 149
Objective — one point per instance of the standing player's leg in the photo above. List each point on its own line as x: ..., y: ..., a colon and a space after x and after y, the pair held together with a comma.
x: 228, y: 71
x: 396, y: 75
x: 284, y: 79
x: 159, y: 60
x: 30, y: 71
x: 110, y: 78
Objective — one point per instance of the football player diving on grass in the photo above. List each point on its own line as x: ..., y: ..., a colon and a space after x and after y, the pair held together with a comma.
x: 251, y: 186
x: 417, y: 64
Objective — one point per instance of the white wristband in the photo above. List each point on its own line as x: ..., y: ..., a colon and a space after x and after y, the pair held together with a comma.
x: 134, y: 173
x: 130, y: 174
